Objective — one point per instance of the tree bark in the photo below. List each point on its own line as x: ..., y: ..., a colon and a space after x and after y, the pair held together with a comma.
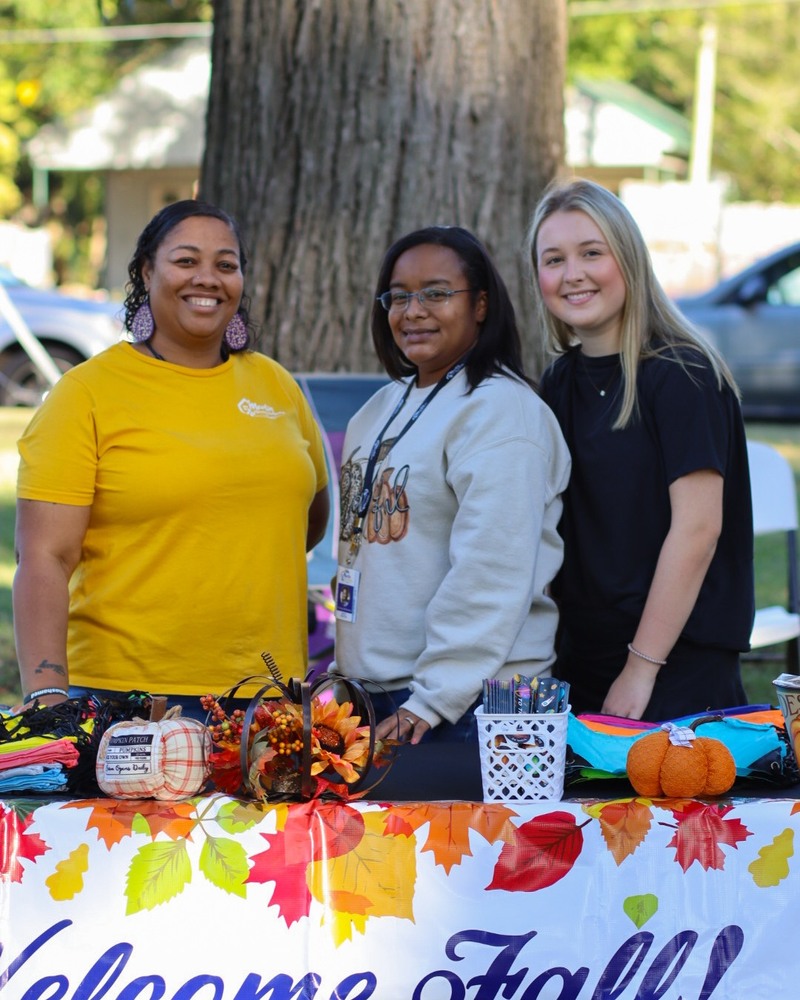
x: 335, y: 126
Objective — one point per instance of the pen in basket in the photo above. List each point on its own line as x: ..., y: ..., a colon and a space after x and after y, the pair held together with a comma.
x: 524, y: 695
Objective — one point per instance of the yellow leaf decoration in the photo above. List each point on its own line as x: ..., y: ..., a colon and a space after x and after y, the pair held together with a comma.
x: 772, y: 866
x: 67, y: 880
x: 224, y: 863
x: 236, y: 816
x: 375, y: 879
x: 157, y: 873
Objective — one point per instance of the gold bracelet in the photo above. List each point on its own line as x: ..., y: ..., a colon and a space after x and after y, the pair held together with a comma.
x: 644, y: 656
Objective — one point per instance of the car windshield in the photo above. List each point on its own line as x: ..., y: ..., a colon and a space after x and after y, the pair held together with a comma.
x: 786, y: 290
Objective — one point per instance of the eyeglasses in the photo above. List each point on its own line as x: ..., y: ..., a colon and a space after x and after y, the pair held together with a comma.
x: 432, y: 298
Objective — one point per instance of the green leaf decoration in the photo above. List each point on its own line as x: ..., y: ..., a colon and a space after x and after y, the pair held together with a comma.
x: 158, y: 873
x: 140, y: 825
x: 22, y: 807
x: 640, y: 908
x: 236, y: 817
x: 224, y: 864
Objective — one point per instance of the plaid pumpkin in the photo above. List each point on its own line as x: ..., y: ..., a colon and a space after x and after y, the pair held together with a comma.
x: 168, y: 759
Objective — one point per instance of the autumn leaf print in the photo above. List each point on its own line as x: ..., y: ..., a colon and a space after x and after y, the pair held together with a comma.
x: 116, y: 819
x: 640, y: 908
x: 291, y: 893
x: 158, y: 873
x: 449, y: 827
x: 376, y: 878
x: 17, y: 843
x: 624, y: 825
x: 772, y: 866
x: 67, y: 880
x: 543, y: 852
x: 224, y: 863
x: 701, y: 829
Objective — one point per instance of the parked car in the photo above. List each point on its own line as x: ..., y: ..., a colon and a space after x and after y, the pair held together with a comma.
x: 71, y: 329
x: 753, y: 319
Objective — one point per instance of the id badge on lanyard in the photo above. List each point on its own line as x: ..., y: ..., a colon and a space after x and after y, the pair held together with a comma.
x: 347, y: 583
x: 347, y: 578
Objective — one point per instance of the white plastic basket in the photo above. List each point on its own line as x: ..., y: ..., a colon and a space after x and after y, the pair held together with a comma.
x: 522, y: 756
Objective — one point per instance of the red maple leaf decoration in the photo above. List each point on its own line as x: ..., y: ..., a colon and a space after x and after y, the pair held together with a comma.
x: 701, y: 829
x: 16, y: 843
x: 543, y: 852
x: 226, y: 769
x: 337, y: 829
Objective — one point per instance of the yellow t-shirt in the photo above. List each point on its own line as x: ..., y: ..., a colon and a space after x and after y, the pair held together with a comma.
x: 199, y: 482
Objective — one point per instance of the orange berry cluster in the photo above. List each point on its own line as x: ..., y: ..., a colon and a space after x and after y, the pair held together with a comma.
x: 284, y: 735
x: 223, y: 727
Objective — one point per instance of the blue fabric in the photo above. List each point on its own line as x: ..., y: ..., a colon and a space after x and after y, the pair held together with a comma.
x: 760, y: 750
x: 34, y: 778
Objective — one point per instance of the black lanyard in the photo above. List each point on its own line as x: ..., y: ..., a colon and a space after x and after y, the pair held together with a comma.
x: 369, y: 472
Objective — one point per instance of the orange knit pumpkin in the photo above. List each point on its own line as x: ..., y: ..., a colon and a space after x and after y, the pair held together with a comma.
x: 672, y: 762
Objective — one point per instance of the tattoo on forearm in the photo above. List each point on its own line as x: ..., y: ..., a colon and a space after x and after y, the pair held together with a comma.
x: 56, y: 668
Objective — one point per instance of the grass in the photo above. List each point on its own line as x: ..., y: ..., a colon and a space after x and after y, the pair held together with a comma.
x: 770, y: 557
x: 12, y: 423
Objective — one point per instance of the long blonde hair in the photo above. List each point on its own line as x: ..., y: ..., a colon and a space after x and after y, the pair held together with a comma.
x: 651, y: 324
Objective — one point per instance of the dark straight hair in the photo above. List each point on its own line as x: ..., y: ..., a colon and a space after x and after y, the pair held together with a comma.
x: 498, y: 345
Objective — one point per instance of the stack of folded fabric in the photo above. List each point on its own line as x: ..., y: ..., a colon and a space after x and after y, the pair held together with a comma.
x: 36, y: 764
x: 53, y: 749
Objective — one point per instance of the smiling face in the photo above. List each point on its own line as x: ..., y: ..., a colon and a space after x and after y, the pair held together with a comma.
x: 195, y: 284
x: 434, y: 337
x: 580, y: 280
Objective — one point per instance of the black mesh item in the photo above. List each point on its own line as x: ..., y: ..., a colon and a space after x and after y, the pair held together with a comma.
x: 83, y: 719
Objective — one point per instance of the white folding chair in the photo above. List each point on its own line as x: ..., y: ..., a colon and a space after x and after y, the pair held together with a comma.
x: 775, y: 510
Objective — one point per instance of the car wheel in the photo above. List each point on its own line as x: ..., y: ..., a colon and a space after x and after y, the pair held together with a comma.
x: 21, y: 383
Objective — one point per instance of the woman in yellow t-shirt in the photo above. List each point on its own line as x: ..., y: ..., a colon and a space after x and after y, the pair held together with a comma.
x: 168, y: 491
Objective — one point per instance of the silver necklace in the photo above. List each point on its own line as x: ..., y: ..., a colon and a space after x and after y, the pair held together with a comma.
x: 593, y: 384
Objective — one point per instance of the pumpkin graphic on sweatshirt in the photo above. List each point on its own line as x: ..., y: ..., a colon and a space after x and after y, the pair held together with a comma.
x: 387, y: 520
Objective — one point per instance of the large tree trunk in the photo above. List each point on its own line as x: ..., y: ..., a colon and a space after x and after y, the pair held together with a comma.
x: 335, y: 126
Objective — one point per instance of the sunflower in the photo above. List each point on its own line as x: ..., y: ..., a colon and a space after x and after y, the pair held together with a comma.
x: 337, y: 739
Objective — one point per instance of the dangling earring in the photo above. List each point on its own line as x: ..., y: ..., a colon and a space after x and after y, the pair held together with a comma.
x: 236, y: 333
x: 142, y: 325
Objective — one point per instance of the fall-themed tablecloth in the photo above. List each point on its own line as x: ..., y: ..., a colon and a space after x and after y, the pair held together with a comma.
x: 216, y: 898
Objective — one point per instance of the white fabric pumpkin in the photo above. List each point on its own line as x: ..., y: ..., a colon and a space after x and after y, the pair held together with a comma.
x: 165, y: 758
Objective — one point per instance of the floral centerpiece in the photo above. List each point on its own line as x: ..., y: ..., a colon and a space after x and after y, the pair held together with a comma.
x: 295, y: 740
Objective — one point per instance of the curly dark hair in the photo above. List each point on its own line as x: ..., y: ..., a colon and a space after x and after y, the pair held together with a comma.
x: 151, y: 238
x: 499, y: 345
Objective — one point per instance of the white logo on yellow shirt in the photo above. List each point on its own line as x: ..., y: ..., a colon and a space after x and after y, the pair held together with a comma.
x: 251, y: 409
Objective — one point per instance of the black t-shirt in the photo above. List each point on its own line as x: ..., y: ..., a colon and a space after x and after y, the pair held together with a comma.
x: 617, y: 508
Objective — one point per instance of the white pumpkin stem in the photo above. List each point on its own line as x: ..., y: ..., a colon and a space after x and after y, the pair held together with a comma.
x: 682, y: 736
x: 679, y: 736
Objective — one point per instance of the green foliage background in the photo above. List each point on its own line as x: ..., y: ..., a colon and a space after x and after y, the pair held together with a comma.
x: 757, y: 112
x: 757, y: 115
x: 41, y: 82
